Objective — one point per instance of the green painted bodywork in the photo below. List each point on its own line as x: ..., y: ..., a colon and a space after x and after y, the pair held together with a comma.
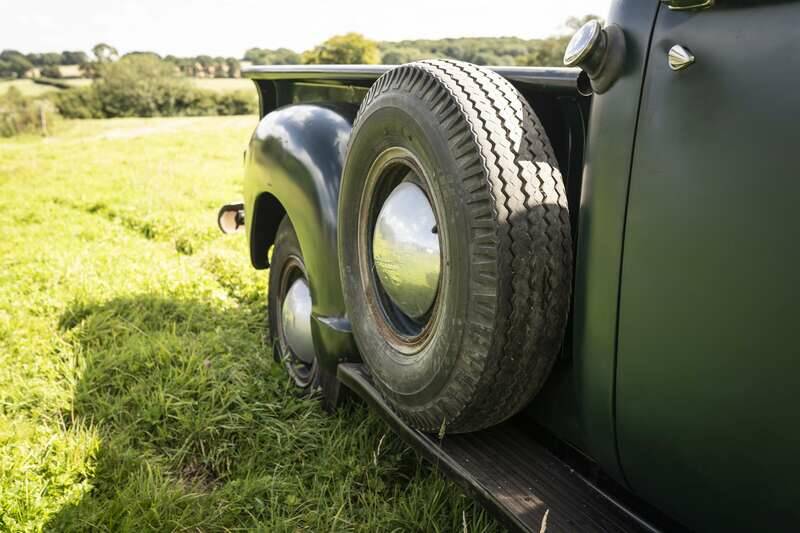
x: 678, y: 375
x: 612, y: 124
x: 708, y: 376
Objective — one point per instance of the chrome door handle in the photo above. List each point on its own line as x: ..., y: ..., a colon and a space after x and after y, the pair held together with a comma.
x: 682, y: 5
x: 679, y: 57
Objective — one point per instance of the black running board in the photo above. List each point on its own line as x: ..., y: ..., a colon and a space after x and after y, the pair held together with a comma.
x: 515, y: 478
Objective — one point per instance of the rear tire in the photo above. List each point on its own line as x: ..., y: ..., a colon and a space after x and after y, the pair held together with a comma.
x: 286, y: 267
x: 481, y: 156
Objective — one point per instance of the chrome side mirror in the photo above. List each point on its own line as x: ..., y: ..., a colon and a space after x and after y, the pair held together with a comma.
x: 599, y: 52
x: 230, y: 218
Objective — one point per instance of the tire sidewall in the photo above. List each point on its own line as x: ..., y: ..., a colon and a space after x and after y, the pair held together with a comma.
x: 406, y: 121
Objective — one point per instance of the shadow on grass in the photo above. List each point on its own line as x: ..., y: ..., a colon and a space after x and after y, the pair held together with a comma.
x: 200, y: 430
x: 170, y: 385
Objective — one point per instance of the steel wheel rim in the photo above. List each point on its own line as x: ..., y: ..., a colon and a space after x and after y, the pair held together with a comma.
x: 302, y: 373
x: 391, y: 168
x: 405, y: 249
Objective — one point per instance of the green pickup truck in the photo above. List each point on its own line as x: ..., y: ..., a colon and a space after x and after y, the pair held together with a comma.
x: 574, y: 289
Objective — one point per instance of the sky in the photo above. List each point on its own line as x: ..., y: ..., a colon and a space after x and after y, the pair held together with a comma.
x: 228, y: 28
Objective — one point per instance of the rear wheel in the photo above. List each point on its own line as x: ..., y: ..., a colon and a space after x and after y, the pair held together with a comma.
x: 290, y: 310
x: 455, y: 245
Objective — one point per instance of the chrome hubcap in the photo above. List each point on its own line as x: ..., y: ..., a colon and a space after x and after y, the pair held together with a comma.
x: 296, y: 321
x: 405, y: 250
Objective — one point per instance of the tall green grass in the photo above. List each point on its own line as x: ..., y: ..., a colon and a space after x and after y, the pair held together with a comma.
x: 136, y: 391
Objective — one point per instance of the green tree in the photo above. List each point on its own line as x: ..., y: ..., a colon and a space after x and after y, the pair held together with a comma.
x: 266, y: 56
x: 89, y: 69
x: 234, y: 69
x: 50, y: 71
x: 401, y: 55
x: 546, y: 52
x: 51, y: 59
x: 140, y: 85
x: 104, y: 53
x: 13, y: 64
x: 348, y: 49
x: 284, y: 56
x: 74, y: 57
x: 35, y: 59
x: 142, y: 53
x: 486, y: 50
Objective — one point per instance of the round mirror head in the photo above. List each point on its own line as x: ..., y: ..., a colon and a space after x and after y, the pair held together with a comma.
x: 231, y: 218
x: 228, y: 222
x: 582, y: 43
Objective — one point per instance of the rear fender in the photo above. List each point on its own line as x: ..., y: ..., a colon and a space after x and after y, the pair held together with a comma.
x: 293, y: 167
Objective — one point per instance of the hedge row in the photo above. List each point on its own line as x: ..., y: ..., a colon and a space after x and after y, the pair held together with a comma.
x: 52, y: 82
x: 19, y: 114
x: 95, y: 102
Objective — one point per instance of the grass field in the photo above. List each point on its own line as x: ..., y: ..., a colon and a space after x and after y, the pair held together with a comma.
x: 28, y: 88
x: 136, y: 392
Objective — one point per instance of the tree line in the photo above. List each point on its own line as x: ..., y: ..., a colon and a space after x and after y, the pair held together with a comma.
x: 14, y: 64
x: 351, y: 48
x: 135, y: 85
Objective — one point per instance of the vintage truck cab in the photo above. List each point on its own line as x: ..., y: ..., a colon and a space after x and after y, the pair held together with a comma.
x: 576, y: 288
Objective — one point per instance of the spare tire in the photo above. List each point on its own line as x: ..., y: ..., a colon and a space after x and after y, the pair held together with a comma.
x: 454, y: 245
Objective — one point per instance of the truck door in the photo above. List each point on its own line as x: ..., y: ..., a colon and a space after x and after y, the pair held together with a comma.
x: 708, y: 361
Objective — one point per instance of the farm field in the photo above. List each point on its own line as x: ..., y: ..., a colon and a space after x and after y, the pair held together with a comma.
x: 26, y: 87
x: 136, y: 389
x: 29, y: 88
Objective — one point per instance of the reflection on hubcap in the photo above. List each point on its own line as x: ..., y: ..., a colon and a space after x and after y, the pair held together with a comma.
x: 405, y: 250
x: 296, y: 321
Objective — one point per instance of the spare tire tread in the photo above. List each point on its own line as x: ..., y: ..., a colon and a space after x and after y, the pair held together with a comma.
x: 550, y: 230
x: 512, y: 384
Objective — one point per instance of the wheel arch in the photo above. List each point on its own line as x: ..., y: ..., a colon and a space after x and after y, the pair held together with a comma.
x: 268, y: 212
x: 293, y: 168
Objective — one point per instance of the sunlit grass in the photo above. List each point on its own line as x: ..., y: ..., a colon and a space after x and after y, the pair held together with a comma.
x: 29, y: 88
x: 136, y: 391
x: 26, y: 87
